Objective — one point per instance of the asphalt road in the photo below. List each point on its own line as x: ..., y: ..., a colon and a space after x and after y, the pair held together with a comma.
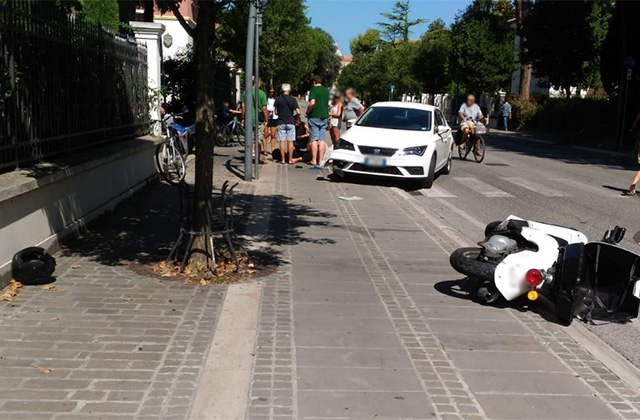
x: 542, y: 181
x: 539, y: 180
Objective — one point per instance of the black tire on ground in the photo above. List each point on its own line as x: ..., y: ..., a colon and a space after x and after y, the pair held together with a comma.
x: 428, y: 181
x: 465, y: 261
x: 491, y: 227
x: 446, y: 170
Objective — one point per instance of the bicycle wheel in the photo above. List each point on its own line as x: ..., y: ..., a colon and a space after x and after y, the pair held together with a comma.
x: 479, y: 150
x: 219, y: 136
x: 462, y: 153
x: 170, y: 163
x: 239, y: 134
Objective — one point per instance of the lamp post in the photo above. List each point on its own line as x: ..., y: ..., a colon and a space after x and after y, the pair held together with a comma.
x: 257, y: 99
x: 248, y: 94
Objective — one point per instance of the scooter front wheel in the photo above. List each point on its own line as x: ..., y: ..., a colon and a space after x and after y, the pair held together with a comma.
x: 466, y: 261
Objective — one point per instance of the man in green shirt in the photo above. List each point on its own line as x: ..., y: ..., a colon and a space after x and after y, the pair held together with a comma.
x: 318, y: 116
x: 262, y: 104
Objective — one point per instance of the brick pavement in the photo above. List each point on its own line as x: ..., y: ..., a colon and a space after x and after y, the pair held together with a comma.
x: 118, y: 345
x: 367, y: 320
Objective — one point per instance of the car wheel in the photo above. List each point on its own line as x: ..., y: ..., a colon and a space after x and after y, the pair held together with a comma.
x: 446, y: 170
x: 428, y: 181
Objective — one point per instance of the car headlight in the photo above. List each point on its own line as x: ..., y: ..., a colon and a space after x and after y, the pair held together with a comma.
x: 417, y: 151
x: 343, y: 144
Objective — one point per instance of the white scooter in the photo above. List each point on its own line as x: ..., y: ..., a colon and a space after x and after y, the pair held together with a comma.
x: 521, y: 257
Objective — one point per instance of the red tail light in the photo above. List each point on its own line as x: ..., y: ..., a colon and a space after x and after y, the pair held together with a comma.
x: 533, y: 277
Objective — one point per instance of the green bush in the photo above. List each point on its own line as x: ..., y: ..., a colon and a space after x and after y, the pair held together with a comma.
x: 524, y: 111
x: 576, y: 119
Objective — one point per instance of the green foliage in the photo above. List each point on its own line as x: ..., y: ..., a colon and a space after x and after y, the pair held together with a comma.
x: 367, y: 43
x: 564, y: 39
x: 290, y: 50
x: 524, y: 111
x: 399, y: 25
x: 104, y: 12
x: 326, y: 56
x: 482, y: 54
x: 431, y: 65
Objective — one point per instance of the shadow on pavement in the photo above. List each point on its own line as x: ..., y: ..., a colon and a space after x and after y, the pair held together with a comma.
x: 465, y: 289
x: 144, y: 227
x: 379, y: 181
x: 512, y: 143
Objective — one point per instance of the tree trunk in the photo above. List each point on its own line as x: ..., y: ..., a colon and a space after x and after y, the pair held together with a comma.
x: 525, y: 67
x: 567, y: 91
x: 204, y: 50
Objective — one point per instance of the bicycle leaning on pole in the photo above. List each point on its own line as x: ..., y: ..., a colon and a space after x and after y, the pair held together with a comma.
x: 171, y: 154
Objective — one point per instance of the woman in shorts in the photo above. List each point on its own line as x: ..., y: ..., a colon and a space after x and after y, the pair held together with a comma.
x: 335, y: 119
x: 272, y: 123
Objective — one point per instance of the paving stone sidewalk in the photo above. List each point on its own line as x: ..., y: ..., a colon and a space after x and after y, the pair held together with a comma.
x: 106, y: 343
x: 367, y: 320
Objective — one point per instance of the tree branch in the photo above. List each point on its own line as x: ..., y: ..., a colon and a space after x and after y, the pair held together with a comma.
x: 176, y: 12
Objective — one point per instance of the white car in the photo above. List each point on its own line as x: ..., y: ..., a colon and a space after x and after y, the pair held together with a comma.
x: 399, y: 140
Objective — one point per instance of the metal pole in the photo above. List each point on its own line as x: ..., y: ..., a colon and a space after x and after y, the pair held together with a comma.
x: 619, y: 123
x: 248, y: 95
x: 257, y: 101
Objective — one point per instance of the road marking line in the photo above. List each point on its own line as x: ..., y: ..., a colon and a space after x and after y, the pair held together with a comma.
x: 535, y: 187
x: 482, y: 187
x: 437, y: 192
x: 601, y: 191
x: 224, y: 388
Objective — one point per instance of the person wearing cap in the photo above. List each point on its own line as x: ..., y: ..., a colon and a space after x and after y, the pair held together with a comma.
x: 286, y: 108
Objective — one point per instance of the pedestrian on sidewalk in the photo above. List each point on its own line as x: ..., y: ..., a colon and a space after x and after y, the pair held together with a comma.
x: 353, y: 107
x: 335, y: 123
x: 506, y: 114
x: 286, y: 109
x: 635, y: 133
x: 259, y: 122
x: 318, y: 116
x: 272, y: 122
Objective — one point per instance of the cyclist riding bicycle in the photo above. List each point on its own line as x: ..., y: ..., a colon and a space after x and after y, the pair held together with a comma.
x: 469, y: 113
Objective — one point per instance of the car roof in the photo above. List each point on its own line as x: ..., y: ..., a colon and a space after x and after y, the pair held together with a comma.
x: 410, y: 105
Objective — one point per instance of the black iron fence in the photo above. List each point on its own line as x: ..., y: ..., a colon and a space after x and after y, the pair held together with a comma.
x: 65, y: 84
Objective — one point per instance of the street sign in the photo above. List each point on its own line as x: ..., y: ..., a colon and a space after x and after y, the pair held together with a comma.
x: 393, y: 87
x: 629, y: 71
x: 630, y: 62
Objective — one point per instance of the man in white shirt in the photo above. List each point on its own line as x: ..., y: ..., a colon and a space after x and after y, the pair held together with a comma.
x: 468, y: 113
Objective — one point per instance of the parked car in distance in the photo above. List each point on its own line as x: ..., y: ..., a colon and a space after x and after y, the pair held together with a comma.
x: 399, y: 140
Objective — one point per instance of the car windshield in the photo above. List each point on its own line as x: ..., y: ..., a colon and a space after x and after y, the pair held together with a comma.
x: 396, y: 118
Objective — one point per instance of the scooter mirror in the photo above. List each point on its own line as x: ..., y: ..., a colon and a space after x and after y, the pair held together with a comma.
x: 636, y: 237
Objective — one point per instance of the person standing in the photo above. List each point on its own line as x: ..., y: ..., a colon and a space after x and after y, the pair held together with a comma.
x: 335, y: 123
x: 272, y: 122
x: 259, y: 122
x: 318, y: 116
x: 635, y: 134
x: 353, y: 107
x: 506, y: 114
x: 286, y: 109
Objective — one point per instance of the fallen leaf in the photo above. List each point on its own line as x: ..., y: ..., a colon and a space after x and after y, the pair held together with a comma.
x: 48, y: 286
x: 203, y: 282
x: 44, y: 370
x: 128, y: 299
x: 75, y: 266
x: 55, y: 318
x: 10, y: 292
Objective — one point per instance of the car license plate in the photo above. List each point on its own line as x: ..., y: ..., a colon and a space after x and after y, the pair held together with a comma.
x: 375, y: 161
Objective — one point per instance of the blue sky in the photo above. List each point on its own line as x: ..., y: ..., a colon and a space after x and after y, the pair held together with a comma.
x: 346, y: 19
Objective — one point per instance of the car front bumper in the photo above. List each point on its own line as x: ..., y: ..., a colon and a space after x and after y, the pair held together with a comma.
x: 348, y: 161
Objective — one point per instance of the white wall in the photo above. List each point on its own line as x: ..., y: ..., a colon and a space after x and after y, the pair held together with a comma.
x: 180, y: 37
x: 37, y: 211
